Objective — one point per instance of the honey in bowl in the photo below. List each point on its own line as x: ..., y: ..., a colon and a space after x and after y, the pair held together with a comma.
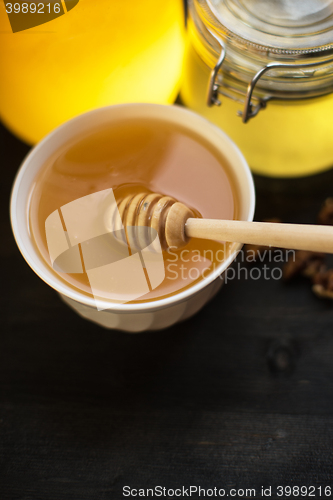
x: 132, y: 156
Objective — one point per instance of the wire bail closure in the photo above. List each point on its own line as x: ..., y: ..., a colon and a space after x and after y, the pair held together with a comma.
x: 250, y: 107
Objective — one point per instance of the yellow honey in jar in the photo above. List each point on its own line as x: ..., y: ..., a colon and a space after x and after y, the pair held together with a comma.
x: 288, y: 138
x: 292, y: 134
x: 98, y: 53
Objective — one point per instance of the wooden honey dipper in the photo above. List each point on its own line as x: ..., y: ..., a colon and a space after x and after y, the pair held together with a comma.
x: 175, y: 224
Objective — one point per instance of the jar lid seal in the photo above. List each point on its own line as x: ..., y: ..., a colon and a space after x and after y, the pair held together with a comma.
x: 287, y: 27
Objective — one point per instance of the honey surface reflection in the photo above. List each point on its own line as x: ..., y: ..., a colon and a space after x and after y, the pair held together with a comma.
x: 136, y: 156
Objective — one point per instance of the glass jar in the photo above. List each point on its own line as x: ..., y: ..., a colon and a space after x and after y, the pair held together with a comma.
x: 94, y: 54
x: 271, y: 66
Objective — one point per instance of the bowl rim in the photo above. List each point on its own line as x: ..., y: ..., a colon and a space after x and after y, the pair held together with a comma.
x: 59, y: 285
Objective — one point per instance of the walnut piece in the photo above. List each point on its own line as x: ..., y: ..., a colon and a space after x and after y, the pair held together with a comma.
x: 303, y: 262
x: 325, y: 215
x: 323, y: 284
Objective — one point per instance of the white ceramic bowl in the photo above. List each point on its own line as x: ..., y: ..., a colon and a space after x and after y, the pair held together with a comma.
x: 128, y: 317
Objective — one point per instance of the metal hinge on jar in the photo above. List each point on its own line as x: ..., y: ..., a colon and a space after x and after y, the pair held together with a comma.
x: 253, y: 104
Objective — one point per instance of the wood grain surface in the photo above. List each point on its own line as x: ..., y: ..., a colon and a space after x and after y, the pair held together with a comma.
x: 240, y: 396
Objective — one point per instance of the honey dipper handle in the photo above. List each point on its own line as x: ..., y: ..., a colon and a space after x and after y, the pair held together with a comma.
x: 296, y: 236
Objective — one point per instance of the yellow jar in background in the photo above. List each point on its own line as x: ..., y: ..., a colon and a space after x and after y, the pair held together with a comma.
x: 292, y: 132
x: 98, y: 53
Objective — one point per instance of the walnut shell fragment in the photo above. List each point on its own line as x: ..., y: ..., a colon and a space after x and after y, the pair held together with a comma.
x: 325, y: 215
x: 323, y: 284
x: 303, y: 262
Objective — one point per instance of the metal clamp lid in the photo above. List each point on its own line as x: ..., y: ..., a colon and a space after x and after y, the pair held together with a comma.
x: 253, y: 104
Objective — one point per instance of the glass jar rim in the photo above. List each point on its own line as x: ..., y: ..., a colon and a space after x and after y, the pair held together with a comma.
x: 250, y: 31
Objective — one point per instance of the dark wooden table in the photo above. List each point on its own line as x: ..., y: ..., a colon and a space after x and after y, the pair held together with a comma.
x: 240, y: 396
